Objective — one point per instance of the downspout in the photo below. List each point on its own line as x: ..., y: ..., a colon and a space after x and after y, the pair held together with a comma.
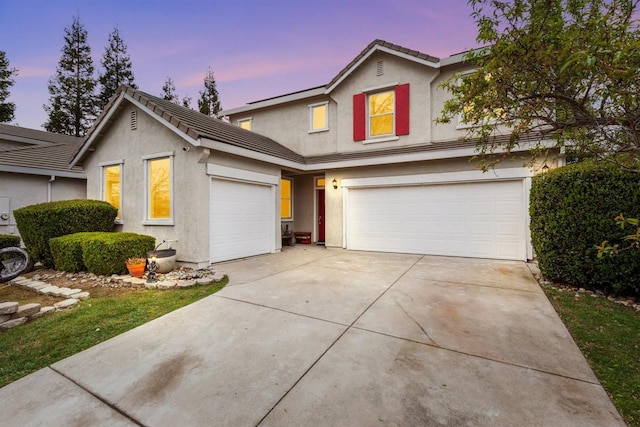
x: 49, y: 187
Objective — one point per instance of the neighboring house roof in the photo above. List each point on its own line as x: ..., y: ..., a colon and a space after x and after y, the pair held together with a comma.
x: 195, y: 127
x: 46, y: 159
x: 33, y: 136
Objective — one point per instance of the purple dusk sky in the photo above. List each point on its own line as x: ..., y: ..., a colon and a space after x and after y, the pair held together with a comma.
x: 257, y: 49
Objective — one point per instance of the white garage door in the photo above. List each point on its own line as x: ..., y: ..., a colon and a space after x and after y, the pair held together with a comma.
x: 241, y: 219
x: 481, y: 220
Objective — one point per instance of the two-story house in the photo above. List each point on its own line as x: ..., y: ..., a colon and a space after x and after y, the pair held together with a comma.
x: 359, y: 163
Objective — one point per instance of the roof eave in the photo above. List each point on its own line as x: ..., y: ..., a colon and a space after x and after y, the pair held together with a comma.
x: 380, y: 48
x: 42, y: 171
x: 275, y: 101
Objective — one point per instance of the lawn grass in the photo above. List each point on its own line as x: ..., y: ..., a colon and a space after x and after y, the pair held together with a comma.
x: 35, y: 345
x: 608, y: 334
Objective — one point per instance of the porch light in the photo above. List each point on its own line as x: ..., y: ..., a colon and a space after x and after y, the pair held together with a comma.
x: 335, y: 184
x: 545, y: 167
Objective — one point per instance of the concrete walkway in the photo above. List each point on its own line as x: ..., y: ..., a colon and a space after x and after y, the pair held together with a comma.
x: 314, y: 336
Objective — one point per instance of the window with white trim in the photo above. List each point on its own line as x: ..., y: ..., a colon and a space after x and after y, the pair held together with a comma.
x: 245, y: 123
x: 111, y: 183
x: 319, y: 117
x: 286, y: 199
x: 381, y: 113
x: 159, y: 189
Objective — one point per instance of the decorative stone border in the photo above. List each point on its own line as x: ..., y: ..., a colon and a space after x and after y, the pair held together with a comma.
x: 12, y: 314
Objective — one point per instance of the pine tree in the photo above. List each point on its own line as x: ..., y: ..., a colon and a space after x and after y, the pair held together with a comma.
x: 7, y: 109
x: 72, y: 102
x: 209, y: 102
x: 186, y: 101
x: 117, y: 69
x: 169, y: 91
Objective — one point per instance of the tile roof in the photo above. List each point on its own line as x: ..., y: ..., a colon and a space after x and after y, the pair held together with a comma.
x: 387, y: 45
x: 197, y: 125
x: 34, y: 136
x: 47, y: 157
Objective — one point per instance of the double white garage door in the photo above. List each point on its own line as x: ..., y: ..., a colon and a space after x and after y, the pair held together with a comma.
x: 485, y: 219
x: 482, y: 219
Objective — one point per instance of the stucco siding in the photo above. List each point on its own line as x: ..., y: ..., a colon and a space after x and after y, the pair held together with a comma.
x: 190, y: 182
x: 24, y: 190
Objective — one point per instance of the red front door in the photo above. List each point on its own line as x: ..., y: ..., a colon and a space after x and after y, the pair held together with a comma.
x: 321, y: 216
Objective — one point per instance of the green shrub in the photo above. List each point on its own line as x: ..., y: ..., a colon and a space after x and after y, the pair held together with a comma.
x: 573, y: 209
x: 107, y: 253
x: 39, y: 223
x: 67, y: 250
x: 8, y: 240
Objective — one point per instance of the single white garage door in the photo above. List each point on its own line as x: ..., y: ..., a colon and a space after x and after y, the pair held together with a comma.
x: 242, y: 221
x: 480, y: 220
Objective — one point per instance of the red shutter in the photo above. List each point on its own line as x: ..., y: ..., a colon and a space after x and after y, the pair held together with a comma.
x: 359, y: 117
x: 402, y: 109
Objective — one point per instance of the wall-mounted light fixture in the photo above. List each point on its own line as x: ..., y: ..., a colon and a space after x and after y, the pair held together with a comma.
x: 335, y: 184
x: 545, y: 167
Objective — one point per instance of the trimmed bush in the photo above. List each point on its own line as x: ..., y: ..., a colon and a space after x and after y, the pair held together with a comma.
x: 8, y: 240
x: 67, y: 251
x: 107, y: 253
x: 39, y: 223
x: 572, y: 210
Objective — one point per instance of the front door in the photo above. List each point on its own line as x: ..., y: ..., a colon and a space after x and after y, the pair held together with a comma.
x: 321, y: 220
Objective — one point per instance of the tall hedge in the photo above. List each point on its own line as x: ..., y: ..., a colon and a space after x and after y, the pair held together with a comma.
x: 39, y: 223
x: 573, y: 209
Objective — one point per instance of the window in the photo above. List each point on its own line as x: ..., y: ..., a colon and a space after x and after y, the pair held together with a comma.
x: 112, y: 185
x: 381, y: 113
x: 286, y: 205
x: 319, y: 117
x: 320, y: 182
x: 469, y: 116
x: 159, y: 189
x: 245, y: 123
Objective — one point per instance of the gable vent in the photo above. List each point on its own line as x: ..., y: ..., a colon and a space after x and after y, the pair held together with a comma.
x: 380, y: 68
x: 134, y: 120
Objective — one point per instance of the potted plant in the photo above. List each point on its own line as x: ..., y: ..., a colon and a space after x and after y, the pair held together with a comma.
x: 136, y: 266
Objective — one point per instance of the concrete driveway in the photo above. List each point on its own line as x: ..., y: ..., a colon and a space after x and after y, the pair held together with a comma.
x: 315, y: 336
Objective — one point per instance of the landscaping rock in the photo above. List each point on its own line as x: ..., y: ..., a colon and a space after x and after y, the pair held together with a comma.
x: 82, y: 296
x: 8, y: 307
x: 49, y: 290
x: 4, y: 317
x: 186, y: 283
x: 167, y: 284
x: 218, y: 276
x: 66, y: 303
x: 13, y: 323
x: 43, y: 311
x: 134, y: 280
x: 153, y: 285
x: 26, y: 310
x: 69, y: 292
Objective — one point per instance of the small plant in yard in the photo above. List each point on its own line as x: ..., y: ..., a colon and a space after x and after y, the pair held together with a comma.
x: 136, y: 261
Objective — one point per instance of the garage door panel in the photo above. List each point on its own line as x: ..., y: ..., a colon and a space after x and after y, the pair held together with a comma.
x: 241, y: 219
x: 484, y: 220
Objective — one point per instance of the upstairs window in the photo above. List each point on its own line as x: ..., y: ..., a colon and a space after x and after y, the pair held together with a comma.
x: 319, y: 117
x: 380, y: 114
x: 245, y: 123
